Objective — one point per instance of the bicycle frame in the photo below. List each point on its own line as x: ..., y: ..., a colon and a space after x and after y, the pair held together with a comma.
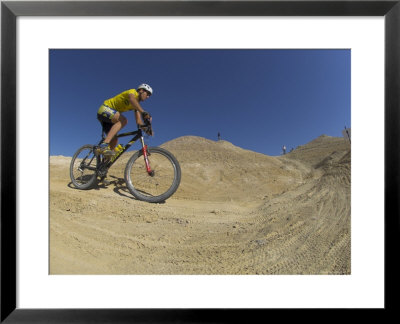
x: 136, y: 135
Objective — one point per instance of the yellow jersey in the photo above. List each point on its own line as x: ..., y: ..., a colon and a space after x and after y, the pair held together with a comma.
x: 121, y: 101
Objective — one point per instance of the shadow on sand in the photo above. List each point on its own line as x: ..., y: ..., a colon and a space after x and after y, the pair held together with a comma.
x: 120, y: 187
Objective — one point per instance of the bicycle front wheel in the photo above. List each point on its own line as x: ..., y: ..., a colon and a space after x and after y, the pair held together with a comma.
x: 157, y: 185
x: 83, y: 168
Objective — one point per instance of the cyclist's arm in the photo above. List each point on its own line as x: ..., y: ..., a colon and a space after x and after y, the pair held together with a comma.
x: 138, y: 117
x: 139, y: 121
x: 135, y: 103
x: 138, y: 110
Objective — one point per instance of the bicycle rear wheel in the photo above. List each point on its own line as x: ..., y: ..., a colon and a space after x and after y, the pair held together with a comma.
x: 83, y: 168
x: 158, y: 185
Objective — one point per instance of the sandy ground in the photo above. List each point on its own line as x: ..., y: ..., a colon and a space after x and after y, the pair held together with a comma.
x: 235, y: 212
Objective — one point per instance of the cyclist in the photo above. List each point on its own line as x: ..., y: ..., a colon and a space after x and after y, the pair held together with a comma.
x: 111, y: 119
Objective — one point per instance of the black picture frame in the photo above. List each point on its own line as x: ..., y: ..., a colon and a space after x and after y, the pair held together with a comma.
x: 10, y: 10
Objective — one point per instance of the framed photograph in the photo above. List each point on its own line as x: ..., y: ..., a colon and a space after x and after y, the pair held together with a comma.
x: 52, y: 51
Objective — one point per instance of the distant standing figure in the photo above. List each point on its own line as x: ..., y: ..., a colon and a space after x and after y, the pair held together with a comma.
x: 219, y: 136
x: 284, y: 149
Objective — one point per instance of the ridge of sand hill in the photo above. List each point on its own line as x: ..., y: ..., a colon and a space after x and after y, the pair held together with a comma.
x: 318, y: 149
x: 235, y: 212
x: 200, y: 142
x: 208, y: 167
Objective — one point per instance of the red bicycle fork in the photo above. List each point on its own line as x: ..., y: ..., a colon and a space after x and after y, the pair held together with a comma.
x: 146, y: 159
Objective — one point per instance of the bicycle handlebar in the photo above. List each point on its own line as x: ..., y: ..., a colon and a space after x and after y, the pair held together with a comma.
x: 146, y: 127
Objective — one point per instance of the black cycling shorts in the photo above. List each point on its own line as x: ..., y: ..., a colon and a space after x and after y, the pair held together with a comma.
x: 104, y: 115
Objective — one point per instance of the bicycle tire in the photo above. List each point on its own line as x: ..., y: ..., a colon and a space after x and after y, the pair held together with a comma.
x: 154, y: 154
x: 87, y: 181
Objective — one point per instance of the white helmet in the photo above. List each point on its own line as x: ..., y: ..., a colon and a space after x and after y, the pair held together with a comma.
x: 145, y: 87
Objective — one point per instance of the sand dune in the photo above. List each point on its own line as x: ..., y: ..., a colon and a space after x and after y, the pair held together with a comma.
x: 235, y: 212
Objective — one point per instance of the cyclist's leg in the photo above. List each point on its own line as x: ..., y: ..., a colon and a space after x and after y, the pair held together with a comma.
x: 105, y: 116
x: 119, y: 121
x: 112, y: 121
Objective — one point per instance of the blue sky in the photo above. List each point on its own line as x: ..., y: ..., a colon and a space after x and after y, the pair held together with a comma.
x: 257, y: 99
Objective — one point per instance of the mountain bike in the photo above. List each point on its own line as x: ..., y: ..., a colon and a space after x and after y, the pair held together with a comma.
x: 152, y: 174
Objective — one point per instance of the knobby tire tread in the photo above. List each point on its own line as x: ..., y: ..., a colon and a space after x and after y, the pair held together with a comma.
x: 92, y: 182
x: 169, y: 192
